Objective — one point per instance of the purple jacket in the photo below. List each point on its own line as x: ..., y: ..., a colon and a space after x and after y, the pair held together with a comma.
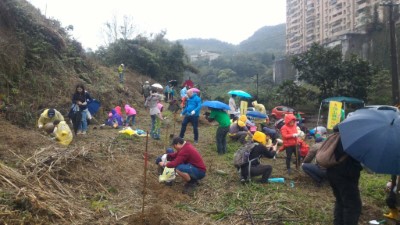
x: 114, y: 118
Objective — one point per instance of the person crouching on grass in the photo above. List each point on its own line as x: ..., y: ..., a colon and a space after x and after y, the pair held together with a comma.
x: 188, y: 163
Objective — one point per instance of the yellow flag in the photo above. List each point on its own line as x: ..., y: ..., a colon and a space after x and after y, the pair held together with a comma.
x: 243, y: 107
x: 335, y: 111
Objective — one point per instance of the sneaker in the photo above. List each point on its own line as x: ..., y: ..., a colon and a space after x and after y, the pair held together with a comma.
x: 196, y: 142
x: 83, y: 132
x: 79, y: 132
x: 289, y: 171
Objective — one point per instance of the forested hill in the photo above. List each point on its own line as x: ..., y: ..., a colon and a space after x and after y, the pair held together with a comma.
x: 266, y: 39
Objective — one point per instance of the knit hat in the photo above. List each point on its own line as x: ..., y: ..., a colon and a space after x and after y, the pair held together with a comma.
x: 243, y: 118
x: 51, y: 113
x: 241, y: 123
x: 260, y: 137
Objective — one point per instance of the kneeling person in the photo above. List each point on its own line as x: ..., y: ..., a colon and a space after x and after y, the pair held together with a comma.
x: 188, y: 163
x: 258, y: 151
x: 62, y: 132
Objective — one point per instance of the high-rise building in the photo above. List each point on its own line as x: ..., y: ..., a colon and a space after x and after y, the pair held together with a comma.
x: 324, y: 21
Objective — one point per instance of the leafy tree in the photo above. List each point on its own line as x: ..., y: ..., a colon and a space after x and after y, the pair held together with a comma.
x: 380, y: 89
x: 325, y: 69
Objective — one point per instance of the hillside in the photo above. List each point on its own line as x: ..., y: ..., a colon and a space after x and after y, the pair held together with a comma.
x: 266, y: 39
x: 103, y: 177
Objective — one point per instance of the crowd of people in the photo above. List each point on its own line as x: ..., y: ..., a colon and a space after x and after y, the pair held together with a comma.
x: 263, y: 141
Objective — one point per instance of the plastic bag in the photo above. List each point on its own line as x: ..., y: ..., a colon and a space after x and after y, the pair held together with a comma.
x: 167, y: 175
x: 128, y: 131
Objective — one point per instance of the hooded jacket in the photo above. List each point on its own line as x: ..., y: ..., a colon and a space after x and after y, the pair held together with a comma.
x: 192, y: 103
x: 63, y: 133
x: 44, y: 117
x: 287, y: 131
x: 129, y: 111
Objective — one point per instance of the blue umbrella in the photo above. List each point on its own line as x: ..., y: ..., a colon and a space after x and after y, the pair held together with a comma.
x: 240, y: 93
x: 373, y: 138
x: 255, y: 114
x: 215, y: 105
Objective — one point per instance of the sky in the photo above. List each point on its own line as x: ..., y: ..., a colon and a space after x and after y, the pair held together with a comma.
x: 230, y: 21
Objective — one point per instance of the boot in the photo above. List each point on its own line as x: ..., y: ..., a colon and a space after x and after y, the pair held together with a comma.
x: 392, y: 214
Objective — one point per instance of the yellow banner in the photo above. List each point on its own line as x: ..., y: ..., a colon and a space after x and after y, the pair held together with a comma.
x: 335, y: 111
x: 243, y: 107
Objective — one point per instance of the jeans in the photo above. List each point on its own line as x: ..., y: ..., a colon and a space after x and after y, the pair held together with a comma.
x: 221, y: 139
x: 193, y: 171
x: 315, y: 172
x: 129, y: 118
x: 121, y: 78
x: 83, y: 124
x: 194, y: 120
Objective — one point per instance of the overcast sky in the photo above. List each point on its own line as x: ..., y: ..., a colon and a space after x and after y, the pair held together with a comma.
x: 231, y: 21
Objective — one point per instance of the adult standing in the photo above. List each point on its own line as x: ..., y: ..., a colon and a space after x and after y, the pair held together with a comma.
x: 155, y: 113
x: 188, y: 163
x: 81, y: 98
x: 232, y: 106
x: 166, y: 92
x: 224, y: 122
x: 344, y: 179
x: 191, y: 113
x: 121, y: 70
x: 146, y: 88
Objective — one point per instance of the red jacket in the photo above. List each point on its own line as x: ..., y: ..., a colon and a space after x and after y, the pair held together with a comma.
x: 187, y: 154
x: 287, y: 131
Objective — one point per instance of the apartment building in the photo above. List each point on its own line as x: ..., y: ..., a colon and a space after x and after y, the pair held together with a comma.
x: 324, y: 21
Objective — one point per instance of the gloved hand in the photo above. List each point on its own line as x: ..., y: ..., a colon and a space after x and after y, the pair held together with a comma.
x: 192, y: 113
x: 181, y: 115
x: 295, y: 135
x: 40, y: 126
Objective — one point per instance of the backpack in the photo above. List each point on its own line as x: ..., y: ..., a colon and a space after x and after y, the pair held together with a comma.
x: 241, y: 156
x: 326, y: 153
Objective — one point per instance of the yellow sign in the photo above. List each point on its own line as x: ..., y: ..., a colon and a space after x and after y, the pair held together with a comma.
x: 335, y: 111
x: 243, y: 107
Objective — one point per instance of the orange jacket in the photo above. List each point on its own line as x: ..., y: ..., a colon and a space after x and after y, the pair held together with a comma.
x: 287, y: 131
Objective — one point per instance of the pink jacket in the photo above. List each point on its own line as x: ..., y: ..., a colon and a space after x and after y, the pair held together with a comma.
x: 129, y: 110
x: 160, y: 107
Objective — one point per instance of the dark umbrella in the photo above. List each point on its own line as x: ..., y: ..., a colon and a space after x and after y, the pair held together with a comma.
x: 173, y: 83
x: 215, y: 105
x: 373, y: 137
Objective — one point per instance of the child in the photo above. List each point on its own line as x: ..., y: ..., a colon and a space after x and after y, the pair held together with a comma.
x: 114, y: 119
x: 130, y: 115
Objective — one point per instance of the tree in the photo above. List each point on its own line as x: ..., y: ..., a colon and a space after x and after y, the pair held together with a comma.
x: 320, y: 67
x: 325, y: 69
x: 114, y: 29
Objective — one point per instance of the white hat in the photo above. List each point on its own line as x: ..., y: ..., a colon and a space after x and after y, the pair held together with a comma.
x: 122, y: 64
x: 146, y: 82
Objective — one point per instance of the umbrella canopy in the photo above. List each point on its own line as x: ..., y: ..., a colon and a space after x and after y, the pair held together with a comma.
x: 157, y: 85
x: 195, y: 90
x: 344, y: 99
x: 240, y: 93
x: 372, y: 137
x: 215, y: 105
x: 255, y: 114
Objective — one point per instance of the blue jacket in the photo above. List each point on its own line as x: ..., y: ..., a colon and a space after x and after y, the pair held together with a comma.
x: 193, y: 103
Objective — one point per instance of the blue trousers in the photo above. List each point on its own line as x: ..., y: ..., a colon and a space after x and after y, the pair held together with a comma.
x: 194, y: 120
